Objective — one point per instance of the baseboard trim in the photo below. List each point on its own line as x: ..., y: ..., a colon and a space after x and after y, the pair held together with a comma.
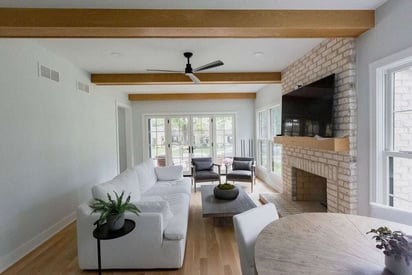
x: 8, y: 260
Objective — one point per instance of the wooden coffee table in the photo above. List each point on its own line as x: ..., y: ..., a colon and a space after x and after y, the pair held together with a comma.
x: 224, y: 210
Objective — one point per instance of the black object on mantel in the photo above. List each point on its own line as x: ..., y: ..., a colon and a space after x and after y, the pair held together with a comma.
x: 103, y: 233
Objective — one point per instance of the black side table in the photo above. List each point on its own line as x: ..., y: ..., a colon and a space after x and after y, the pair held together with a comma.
x: 103, y: 233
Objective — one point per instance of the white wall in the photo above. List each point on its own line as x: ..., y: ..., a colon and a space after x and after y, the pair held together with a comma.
x: 392, y: 33
x: 55, y: 142
x: 243, y: 109
x: 269, y: 96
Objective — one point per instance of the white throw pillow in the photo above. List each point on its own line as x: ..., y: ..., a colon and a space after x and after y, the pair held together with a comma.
x: 169, y: 172
x: 126, y: 182
x: 99, y: 191
x: 146, y: 174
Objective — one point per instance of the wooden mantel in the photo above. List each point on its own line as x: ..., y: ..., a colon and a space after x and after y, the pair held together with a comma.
x: 329, y: 144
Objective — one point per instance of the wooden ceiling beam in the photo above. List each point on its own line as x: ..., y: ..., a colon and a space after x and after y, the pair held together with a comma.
x: 127, y: 23
x: 181, y: 79
x: 191, y: 96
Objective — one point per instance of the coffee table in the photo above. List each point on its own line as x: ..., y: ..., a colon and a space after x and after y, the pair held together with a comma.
x: 224, y: 210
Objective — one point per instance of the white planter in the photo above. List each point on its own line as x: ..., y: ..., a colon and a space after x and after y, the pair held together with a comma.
x: 398, y: 267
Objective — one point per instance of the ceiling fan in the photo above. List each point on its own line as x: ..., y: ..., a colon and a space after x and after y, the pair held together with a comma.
x: 189, y: 71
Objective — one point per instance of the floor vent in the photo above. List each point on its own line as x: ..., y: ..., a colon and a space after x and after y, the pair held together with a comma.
x: 83, y: 87
x: 48, y: 73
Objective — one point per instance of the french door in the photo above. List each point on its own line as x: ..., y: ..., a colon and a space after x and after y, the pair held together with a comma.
x: 176, y: 139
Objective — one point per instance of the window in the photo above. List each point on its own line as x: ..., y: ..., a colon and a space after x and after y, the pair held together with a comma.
x: 176, y: 139
x: 157, y: 134
x: 263, y: 139
x: 224, y: 127
x: 269, y: 125
x: 275, y: 127
x: 393, y: 169
x: 398, y: 138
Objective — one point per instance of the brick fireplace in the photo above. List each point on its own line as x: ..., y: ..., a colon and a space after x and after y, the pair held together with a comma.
x: 337, y: 168
x: 341, y: 195
x: 308, y: 187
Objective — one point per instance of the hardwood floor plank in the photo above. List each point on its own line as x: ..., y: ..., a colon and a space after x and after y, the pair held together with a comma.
x: 210, y: 249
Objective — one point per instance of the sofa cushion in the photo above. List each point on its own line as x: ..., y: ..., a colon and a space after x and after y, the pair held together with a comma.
x: 182, y: 185
x: 155, y: 204
x: 207, y: 175
x: 146, y: 175
x: 126, y: 181
x: 241, y: 165
x: 169, y: 173
x: 239, y: 174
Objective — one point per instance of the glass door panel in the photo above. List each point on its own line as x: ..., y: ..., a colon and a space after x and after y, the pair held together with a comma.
x: 180, y: 144
x: 157, y: 141
x: 201, y: 137
x: 224, y: 128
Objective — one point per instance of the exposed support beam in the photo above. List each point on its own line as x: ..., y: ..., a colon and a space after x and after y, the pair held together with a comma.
x: 179, y: 79
x: 192, y: 96
x: 124, y: 23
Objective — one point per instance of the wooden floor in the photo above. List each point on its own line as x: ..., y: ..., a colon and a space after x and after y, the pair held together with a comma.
x: 210, y: 249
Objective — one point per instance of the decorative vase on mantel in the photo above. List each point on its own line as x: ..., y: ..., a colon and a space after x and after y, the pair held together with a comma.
x: 398, y: 266
x: 115, y: 222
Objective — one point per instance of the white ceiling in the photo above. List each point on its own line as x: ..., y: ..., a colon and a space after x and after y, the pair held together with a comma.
x: 137, y: 55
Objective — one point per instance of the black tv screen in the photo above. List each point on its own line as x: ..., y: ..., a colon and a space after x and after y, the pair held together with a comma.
x: 308, y: 110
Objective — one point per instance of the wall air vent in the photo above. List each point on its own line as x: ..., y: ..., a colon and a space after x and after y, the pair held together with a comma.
x: 48, y: 73
x: 83, y: 87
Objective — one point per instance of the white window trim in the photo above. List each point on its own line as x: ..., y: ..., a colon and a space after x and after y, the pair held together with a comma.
x: 377, y: 71
x: 269, y: 139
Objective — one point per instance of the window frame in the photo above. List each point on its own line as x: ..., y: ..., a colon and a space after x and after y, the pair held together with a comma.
x: 381, y: 113
x: 266, y: 139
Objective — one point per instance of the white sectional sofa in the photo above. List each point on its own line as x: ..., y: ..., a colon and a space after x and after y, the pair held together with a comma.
x: 159, y: 238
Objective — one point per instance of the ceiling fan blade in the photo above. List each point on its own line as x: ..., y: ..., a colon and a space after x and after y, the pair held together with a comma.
x: 209, y: 66
x: 165, y: 71
x: 193, y: 78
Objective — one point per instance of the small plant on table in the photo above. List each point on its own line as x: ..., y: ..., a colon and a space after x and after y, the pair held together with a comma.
x: 397, y: 248
x: 225, y: 186
x: 113, y: 210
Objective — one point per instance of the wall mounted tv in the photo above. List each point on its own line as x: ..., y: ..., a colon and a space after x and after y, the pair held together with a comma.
x: 308, y: 111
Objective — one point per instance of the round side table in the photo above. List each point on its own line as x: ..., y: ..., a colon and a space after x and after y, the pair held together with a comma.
x: 103, y: 233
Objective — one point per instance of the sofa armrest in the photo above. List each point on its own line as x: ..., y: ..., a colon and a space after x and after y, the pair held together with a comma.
x: 149, y: 226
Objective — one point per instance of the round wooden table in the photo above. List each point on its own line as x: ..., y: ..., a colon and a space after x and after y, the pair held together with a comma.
x: 321, y: 243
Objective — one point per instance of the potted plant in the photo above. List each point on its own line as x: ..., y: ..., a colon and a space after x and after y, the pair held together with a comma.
x: 397, y: 248
x: 226, y: 191
x: 113, y: 210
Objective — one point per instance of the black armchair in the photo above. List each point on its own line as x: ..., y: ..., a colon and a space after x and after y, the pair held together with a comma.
x: 243, y: 169
x: 202, y: 170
